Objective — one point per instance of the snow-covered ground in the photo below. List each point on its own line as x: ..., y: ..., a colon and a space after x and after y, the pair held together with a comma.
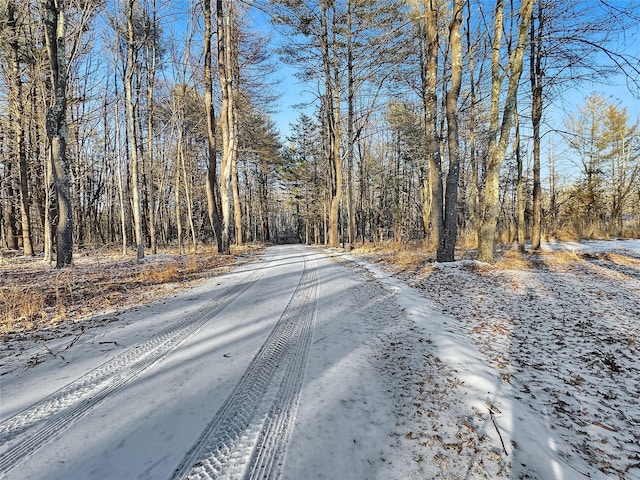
x: 316, y: 364
x: 546, y: 354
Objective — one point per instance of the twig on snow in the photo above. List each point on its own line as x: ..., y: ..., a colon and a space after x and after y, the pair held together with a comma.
x: 588, y: 475
x: 53, y: 354
x: 69, y: 345
x: 77, y: 337
x: 493, y: 420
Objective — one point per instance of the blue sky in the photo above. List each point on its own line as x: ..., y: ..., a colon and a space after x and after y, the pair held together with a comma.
x: 293, y: 93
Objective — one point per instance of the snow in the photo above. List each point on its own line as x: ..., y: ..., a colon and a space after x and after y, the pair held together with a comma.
x: 453, y: 371
x: 553, y: 348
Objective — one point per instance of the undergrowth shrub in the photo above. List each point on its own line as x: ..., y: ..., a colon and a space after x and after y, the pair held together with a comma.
x: 21, y: 309
x: 163, y: 273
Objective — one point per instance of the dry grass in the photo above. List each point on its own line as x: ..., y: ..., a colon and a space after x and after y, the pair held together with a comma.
x: 155, y: 274
x: 400, y: 257
x: 562, y: 236
x: 514, y: 260
x: 625, y: 260
x: 595, y: 233
x: 20, y: 308
x: 34, y: 295
x: 192, y: 265
x: 412, y: 259
x: 561, y: 258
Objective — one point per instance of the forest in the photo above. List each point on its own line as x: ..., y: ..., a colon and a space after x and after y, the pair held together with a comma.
x: 141, y: 124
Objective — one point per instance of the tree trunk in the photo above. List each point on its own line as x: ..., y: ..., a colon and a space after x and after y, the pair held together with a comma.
x: 536, y: 77
x: 350, y: 129
x: 16, y: 101
x: 226, y: 116
x: 473, y: 159
x: 177, y: 196
x: 237, y: 206
x: 521, y: 203
x: 152, y: 56
x: 498, y: 144
x: 232, y: 50
x: 187, y: 198
x: 11, y: 233
x: 54, y: 23
x: 133, y: 135
x: 447, y: 245
x: 432, y: 139
x: 49, y: 207
x: 332, y: 124
x: 121, y: 201
x: 213, y: 193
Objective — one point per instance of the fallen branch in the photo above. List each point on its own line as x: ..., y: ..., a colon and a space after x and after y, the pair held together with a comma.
x: 77, y: 337
x: 69, y: 345
x: 52, y: 353
x: 588, y: 475
x: 493, y: 420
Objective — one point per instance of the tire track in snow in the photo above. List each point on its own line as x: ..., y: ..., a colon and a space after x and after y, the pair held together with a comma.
x: 247, y: 437
x: 44, y: 420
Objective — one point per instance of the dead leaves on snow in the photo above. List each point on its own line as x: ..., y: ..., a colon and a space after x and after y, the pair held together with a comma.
x: 449, y: 435
x: 561, y: 328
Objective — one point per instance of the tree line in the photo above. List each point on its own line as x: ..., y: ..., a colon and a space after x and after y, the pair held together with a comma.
x: 142, y: 123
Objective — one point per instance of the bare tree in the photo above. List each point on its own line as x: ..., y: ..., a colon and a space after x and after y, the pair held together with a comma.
x: 570, y: 42
x: 500, y: 130
x: 133, y: 46
x: 224, y: 11
x: 213, y: 193
x: 16, y: 101
x: 447, y: 243
x: 433, y: 188
x: 332, y: 115
x: 151, y: 58
x: 55, y: 37
x: 536, y: 77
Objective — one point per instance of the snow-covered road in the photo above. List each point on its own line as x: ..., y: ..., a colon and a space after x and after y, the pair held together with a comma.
x: 260, y: 373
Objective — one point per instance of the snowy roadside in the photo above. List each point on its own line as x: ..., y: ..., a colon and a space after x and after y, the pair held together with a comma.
x: 542, y: 362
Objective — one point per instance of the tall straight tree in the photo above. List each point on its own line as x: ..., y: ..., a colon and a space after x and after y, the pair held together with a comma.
x: 232, y: 51
x: 224, y: 12
x: 331, y: 109
x: 536, y: 78
x: 622, y: 144
x: 55, y: 38
x: 433, y: 188
x: 500, y: 130
x: 351, y: 230
x: 449, y: 235
x: 151, y: 60
x: 16, y: 100
x: 213, y: 193
x: 133, y: 46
